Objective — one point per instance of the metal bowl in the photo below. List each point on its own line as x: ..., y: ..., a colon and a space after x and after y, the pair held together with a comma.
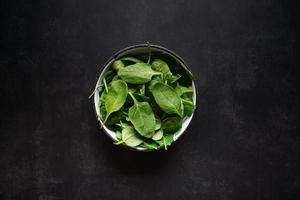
x: 131, y: 51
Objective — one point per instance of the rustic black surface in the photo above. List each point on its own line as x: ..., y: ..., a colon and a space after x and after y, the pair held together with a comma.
x: 244, y: 142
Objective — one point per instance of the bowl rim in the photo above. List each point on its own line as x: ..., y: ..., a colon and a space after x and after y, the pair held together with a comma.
x: 114, y: 56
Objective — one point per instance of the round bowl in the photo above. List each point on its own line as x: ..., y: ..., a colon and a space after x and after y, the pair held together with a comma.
x: 136, y: 50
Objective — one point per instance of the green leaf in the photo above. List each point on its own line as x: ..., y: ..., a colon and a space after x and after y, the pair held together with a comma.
x: 180, y: 90
x: 158, y: 135
x: 142, y: 118
x: 118, y: 135
x: 167, y: 99
x: 118, y: 65
x: 138, y: 73
x: 186, y: 75
x: 150, y: 144
x: 157, y: 122
x: 160, y: 66
x: 166, y: 141
x: 172, y: 78
x: 116, y: 97
x: 154, y: 80
x: 189, y: 107
x: 130, y: 137
x: 171, y: 124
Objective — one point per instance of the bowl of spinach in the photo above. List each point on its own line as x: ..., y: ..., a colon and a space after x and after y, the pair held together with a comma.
x: 145, y: 97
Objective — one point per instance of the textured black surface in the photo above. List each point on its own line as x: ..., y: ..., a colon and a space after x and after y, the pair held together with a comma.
x: 244, y: 142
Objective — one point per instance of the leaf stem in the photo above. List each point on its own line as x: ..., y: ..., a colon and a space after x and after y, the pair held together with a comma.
x: 105, y: 85
x: 134, y: 99
x: 149, y: 50
x: 96, y: 88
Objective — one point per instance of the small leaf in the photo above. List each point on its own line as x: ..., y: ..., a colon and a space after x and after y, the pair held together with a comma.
x: 180, y: 90
x: 158, y: 135
x: 138, y: 73
x: 118, y: 135
x: 157, y: 122
x: 171, y: 124
x: 118, y: 65
x: 189, y: 107
x: 116, y: 97
x: 160, y: 66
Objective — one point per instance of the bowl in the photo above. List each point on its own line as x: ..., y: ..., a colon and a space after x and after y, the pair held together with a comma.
x: 137, y: 50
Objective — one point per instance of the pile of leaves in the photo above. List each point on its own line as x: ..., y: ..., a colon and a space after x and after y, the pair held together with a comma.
x: 143, y: 101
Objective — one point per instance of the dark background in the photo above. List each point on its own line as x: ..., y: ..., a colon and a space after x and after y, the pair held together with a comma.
x: 243, y: 143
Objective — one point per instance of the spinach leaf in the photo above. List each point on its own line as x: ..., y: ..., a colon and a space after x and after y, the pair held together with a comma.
x: 138, y: 73
x: 189, y: 107
x: 171, y: 124
x: 119, y: 135
x: 160, y: 66
x: 142, y: 118
x: 116, y: 97
x: 186, y: 75
x: 130, y: 137
x: 166, y: 141
x: 158, y: 135
x: 157, y: 122
x: 150, y: 144
x: 180, y: 90
x: 154, y: 80
x: 118, y: 65
x: 167, y: 99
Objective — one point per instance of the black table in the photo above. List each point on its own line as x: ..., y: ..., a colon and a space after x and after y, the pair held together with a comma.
x: 243, y: 142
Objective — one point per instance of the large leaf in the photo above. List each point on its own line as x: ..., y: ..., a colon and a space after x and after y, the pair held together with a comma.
x: 116, y: 97
x: 142, y: 118
x: 138, y: 73
x: 167, y: 99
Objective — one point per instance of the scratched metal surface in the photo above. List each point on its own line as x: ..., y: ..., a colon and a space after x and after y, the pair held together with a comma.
x: 243, y: 142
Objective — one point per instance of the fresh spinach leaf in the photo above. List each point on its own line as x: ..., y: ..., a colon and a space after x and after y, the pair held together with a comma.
x: 167, y: 99
x: 166, y: 141
x: 142, y: 118
x: 157, y: 122
x: 171, y: 124
x: 180, y: 90
x: 150, y: 144
x: 116, y: 97
x: 130, y: 137
x: 189, y: 107
x: 138, y: 73
x: 160, y: 66
x: 118, y: 135
x: 118, y: 65
x: 158, y: 135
